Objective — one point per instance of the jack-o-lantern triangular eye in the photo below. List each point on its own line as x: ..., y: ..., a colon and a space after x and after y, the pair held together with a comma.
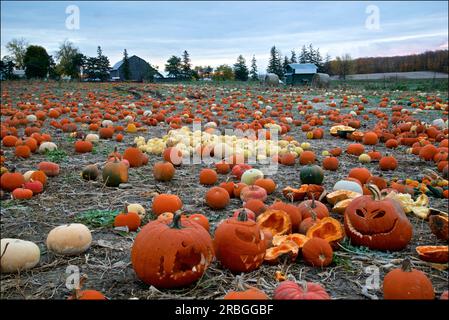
x: 361, y: 212
x: 245, y: 236
x: 378, y: 214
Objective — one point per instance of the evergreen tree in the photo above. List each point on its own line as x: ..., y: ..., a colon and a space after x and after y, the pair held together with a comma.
x: 304, y: 55
x: 208, y: 71
x: 240, y: 69
x: 186, y: 67
x: 319, y: 61
x: 103, y: 65
x: 126, y: 70
x: 173, y: 67
x: 7, y: 67
x: 311, y: 55
x: 293, y: 58
x: 274, y: 63
x: 253, y: 72
x: 285, y: 64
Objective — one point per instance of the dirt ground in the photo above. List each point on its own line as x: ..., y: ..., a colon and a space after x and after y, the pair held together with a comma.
x: 107, y: 263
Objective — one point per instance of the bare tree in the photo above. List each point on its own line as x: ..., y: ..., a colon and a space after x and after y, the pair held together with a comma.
x: 342, y: 66
x: 17, y: 48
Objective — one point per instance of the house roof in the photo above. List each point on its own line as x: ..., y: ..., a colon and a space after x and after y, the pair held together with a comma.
x: 118, y: 64
x: 303, y: 68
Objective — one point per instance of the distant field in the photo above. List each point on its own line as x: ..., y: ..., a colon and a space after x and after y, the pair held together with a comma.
x: 392, y: 84
x: 396, y: 75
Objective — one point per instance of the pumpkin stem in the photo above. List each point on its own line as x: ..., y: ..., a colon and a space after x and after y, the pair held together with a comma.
x: 374, y: 191
x: 313, y: 204
x: 176, y: 222
x: 4, y: 250
x: 303, y: 284
x: 77, y: 292
x: 406, y: 265
x: 243, y: 215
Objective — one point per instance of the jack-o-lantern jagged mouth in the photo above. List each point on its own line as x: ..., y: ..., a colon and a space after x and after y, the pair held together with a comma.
x: 363, y: 234
x: 186, y: 262
x: 250, y: 259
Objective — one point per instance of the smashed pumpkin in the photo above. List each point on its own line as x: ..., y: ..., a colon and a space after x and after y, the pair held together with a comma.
x: 306, y: 190
x: 287, y: 247
x: 339, y: 195
x: 277, y: 222
x: 328, y: 229
x: 439, y: 226
x: 434, y: 254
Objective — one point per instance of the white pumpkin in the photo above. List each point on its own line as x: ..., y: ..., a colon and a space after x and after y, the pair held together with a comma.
x: 439, y: 123
x: 107, y: 123
x: 147, y: 113
x: 19, y: 255
x: 47, y: 146
x: 137, y: 208
x: 69, y: 239
x: 210, y: 125
x: 129, y: 118
x: 31, y: 118
x: 348, y: 185
x: 27, y: 175
x: 92, y: 137
x: 250, y: 176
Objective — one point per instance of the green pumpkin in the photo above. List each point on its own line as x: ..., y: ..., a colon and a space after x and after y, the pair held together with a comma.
x: 311, y: 174
x: 114, y: 173
x: 90, y: 172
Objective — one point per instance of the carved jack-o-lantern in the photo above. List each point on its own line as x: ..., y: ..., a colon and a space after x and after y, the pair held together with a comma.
x: 239, y: 244
x: 171, y: 253
x: 377, y: 223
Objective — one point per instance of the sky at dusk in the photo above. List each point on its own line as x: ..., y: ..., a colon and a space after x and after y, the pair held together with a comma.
x: 215, y: 33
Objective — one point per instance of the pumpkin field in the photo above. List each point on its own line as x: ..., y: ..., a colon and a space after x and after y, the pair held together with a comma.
x: 147, y: 191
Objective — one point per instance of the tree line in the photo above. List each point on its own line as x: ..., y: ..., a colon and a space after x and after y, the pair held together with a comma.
x: 70, y: 62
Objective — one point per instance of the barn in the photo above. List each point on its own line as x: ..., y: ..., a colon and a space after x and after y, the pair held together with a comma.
x: 139, y: 70
x: 300, y: 73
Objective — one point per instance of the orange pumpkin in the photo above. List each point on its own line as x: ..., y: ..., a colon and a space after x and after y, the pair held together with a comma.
x: 134, y: 156
x: 355, y: 149
x: 163, y: 171
x: 22, y: 194
x: 11, y: 180
x: 307, y: 157
x: 249, y: 294
x: 407, y: 283
x: 388, y: 163
x: 317, y: 252
x: 268, y: 184
x: 330, y: 163
x: 166, y: 203
x: 127, y: 219
x: 361, y: 174
x: 208, y: 176
x: 217, y: 198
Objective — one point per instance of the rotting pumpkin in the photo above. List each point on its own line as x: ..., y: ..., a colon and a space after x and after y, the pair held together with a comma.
x: 239, y: 244
x: 171, y: 255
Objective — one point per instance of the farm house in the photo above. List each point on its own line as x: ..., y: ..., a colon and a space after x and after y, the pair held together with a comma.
x: 300, y: 73
x: 139, y: 70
